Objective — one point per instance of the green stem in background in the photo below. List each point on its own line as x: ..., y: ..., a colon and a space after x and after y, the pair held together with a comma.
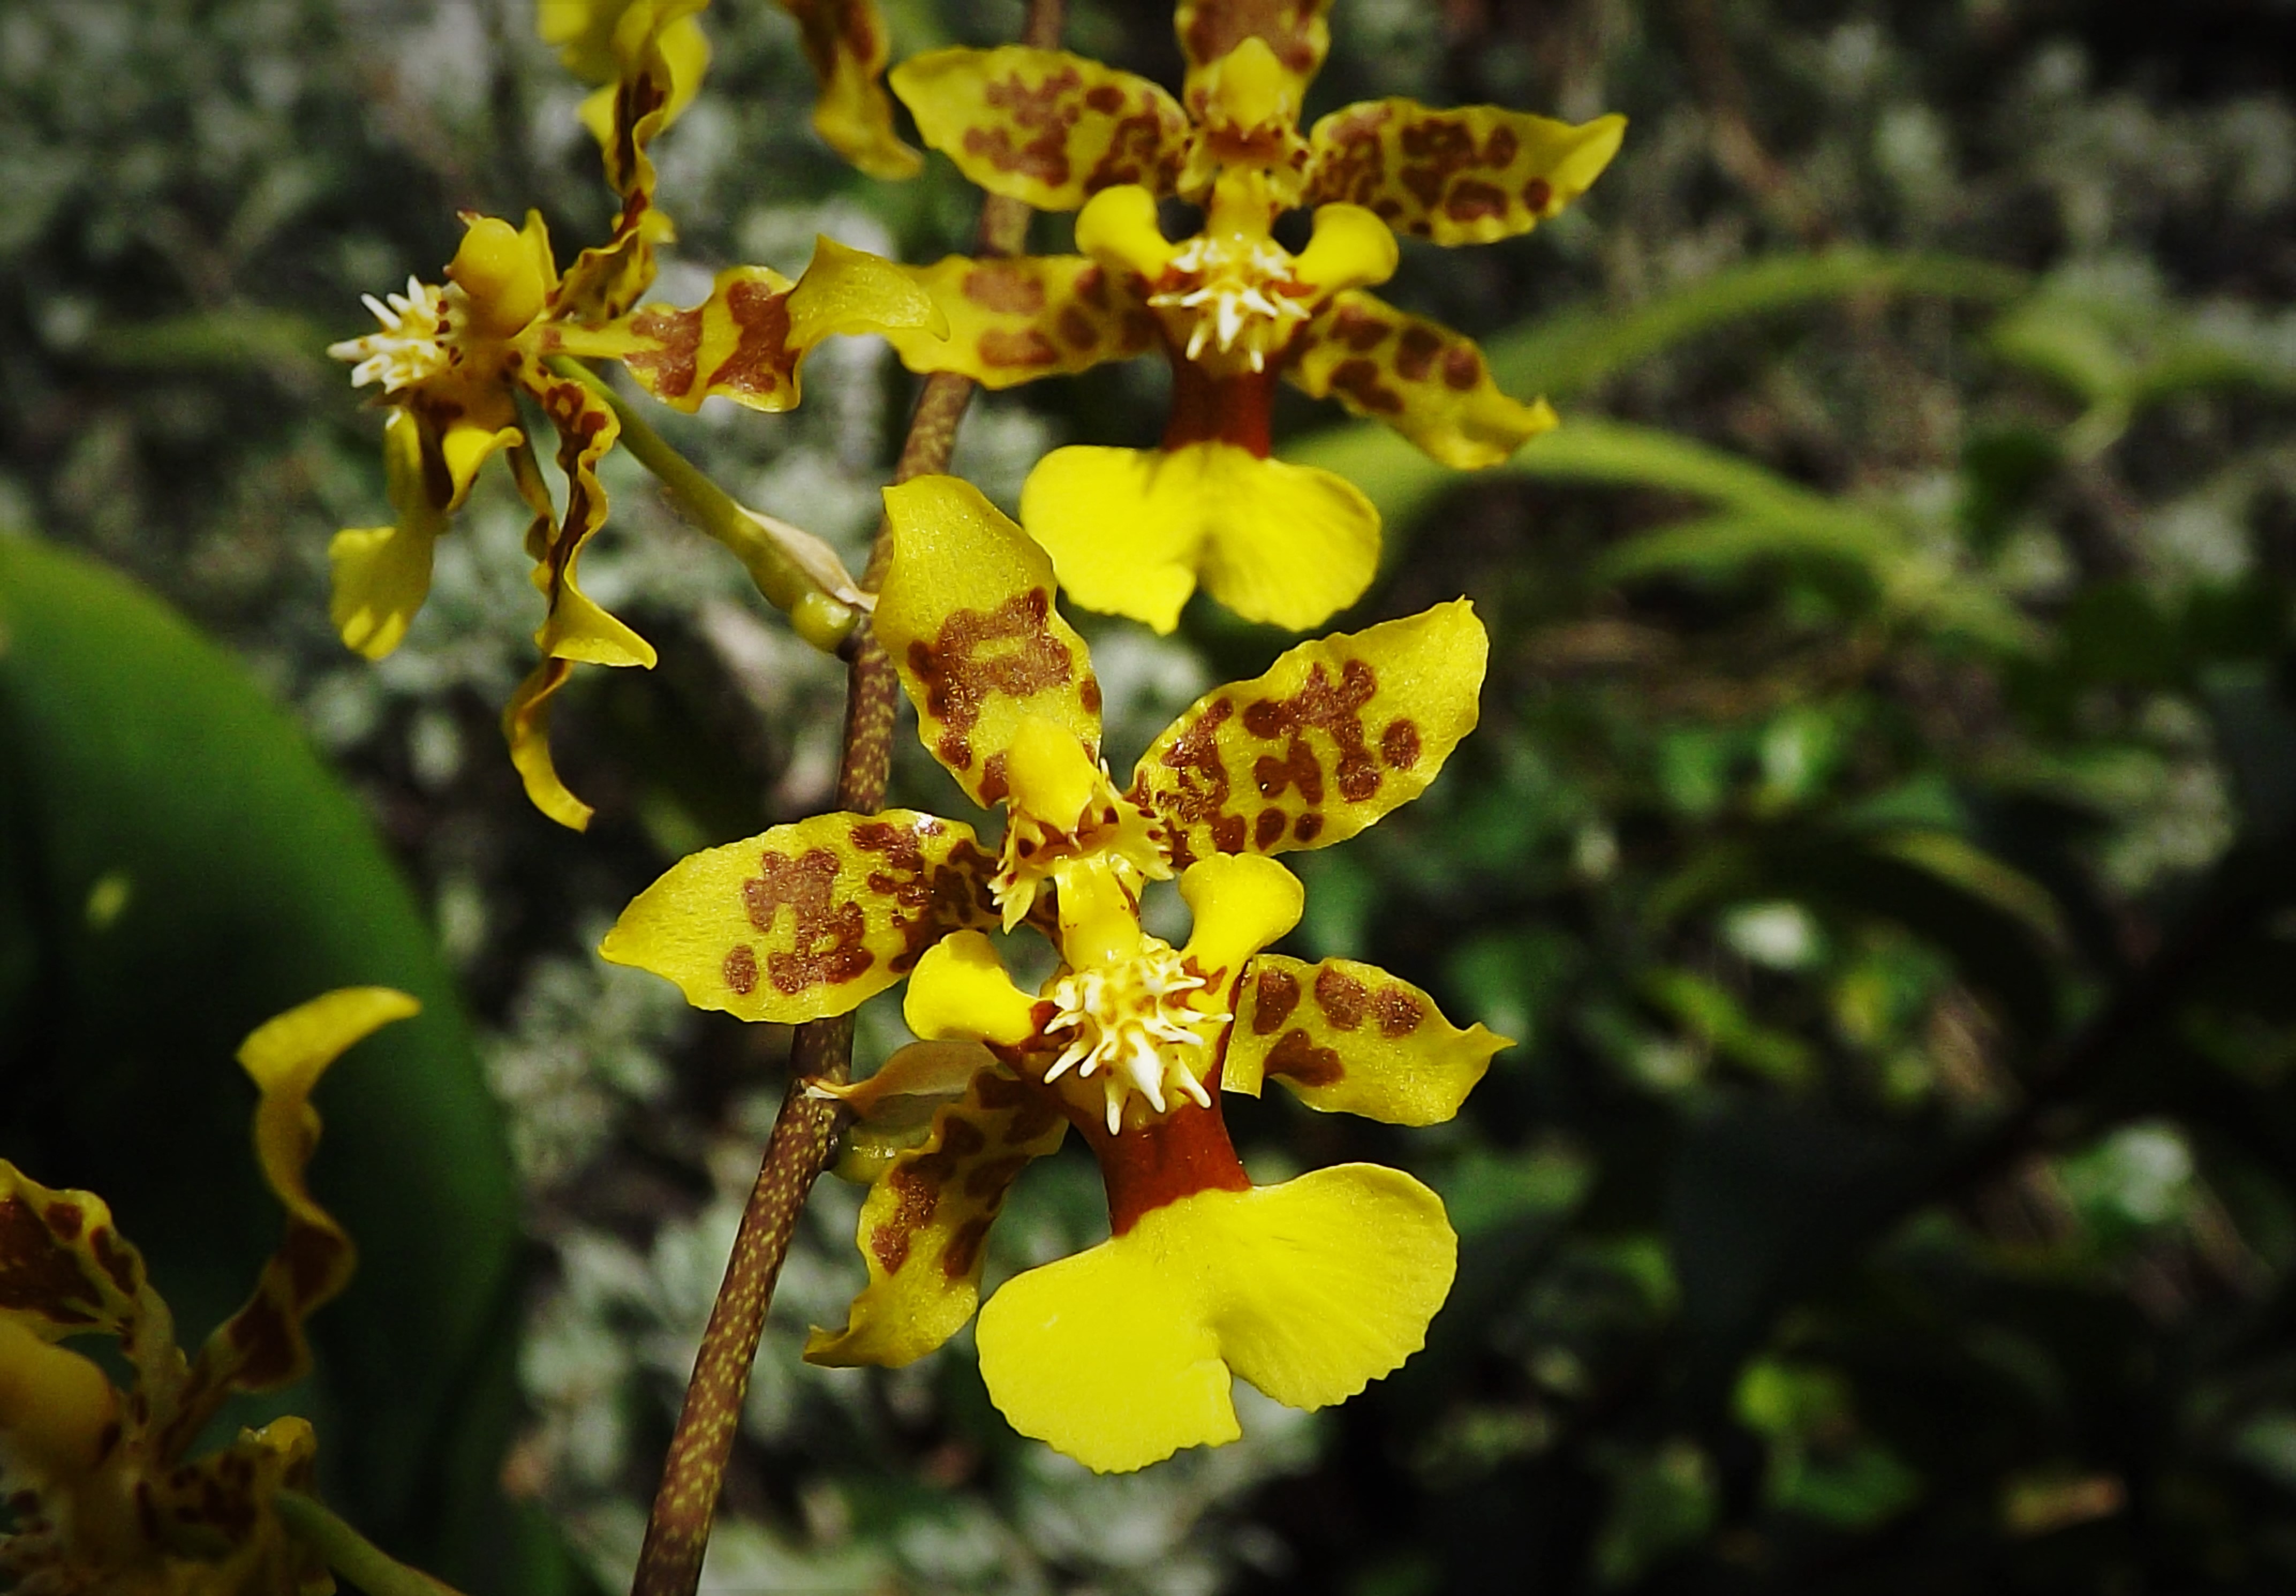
x: 350, y: 1553
x: 820, y: 617
x: 804, y: 1141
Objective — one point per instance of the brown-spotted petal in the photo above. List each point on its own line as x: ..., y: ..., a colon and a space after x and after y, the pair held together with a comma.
x: 1336, y: 734
x: 1013, y: 321
x: 262, y: 1347
x: 1295, y: 31
x: 966, y: 615
x: 1428, y: 382
x: 1041, y: 125
x: 65, y: 1270
x: 924, y: 1226
x: 1350, y: 1038
x: 573, y: 627
x: 1461, y: 177
x: 846, y: 43
x: 658, y: 53
x: 809, y: 918
x: 746, y: 340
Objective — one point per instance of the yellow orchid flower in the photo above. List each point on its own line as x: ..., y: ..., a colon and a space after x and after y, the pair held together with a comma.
x: 105, y: 1497
x: 844, y: 40
x: 1131, y: 531
x: 451, y: 362
x: 1308, y: 1289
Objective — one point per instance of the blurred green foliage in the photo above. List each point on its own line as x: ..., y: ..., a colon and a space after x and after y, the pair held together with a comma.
x: 1879, y: 836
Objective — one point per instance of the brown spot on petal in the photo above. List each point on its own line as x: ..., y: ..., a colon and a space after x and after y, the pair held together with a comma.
x: 1077, y: 328
x: 826, y: 936
x: 1416, y: 352
x: 1005, y: 285
x: 1003, y: 348
x: 1358, y: 380
x: 310, y: 1255
x: 1399, y: 745
x: 666, y: 367
x: 762, y: 360
x: 1344, y: 999
x: 1046, y: 111
x: 1297, y: 1058
x: 1219, y: 26
x: 1462, y: 368
x: 1202, y: 795
x: 1359, y: 329
x: 1269, y: 830
x: 1472, y: 199
x: 1298, y: 768
x: 1537, y: 194
x: 1011, y: 650
x: 1274, y: 996
x: 1399, y: 1012
x: 995, y: 784
x: 38, y: 1273
x: 118, y: 1259
x: 964, y: 1247
x: 265, y: 1341
x: 742, y: 969
x: 1307, y: 828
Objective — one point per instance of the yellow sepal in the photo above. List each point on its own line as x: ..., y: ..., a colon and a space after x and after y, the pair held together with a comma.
x: 924, y: 1227
x: 382, y: 574
x: 1465, y: 175
x: 1295, y: 32
x: 961, y: 993
x: 574, y: 626
x: 1120, y: 1355
x: 1428, y: 382
x: 966, y: 615
x: 587, y: 33
x: 262, y: 1347
x: 1013, y: 321
x: 1042, y: 127
x: 806, y: 919
x: 746, y: 342
x: 1350, y: 1038
x: 846, y: 42
x: 526, y: 728
x: 1336, y: 732
x: 1130, y: 531
x: 653, y: 63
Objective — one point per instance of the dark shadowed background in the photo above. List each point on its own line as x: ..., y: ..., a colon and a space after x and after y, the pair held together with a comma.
x: 1879, y: 837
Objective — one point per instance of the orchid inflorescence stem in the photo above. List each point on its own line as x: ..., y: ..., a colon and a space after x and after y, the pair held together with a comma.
x: 804, y: 1141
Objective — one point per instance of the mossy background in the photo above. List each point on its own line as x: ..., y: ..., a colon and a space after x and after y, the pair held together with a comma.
x: 1879, y: 836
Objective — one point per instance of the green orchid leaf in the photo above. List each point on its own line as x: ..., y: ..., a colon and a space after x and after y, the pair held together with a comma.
x: 176, y: 866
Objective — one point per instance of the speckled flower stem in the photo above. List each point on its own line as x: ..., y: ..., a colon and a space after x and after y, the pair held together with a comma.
x: 804, y: 1141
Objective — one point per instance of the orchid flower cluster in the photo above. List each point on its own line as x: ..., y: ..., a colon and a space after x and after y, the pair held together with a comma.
x: 1124, y: 1354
